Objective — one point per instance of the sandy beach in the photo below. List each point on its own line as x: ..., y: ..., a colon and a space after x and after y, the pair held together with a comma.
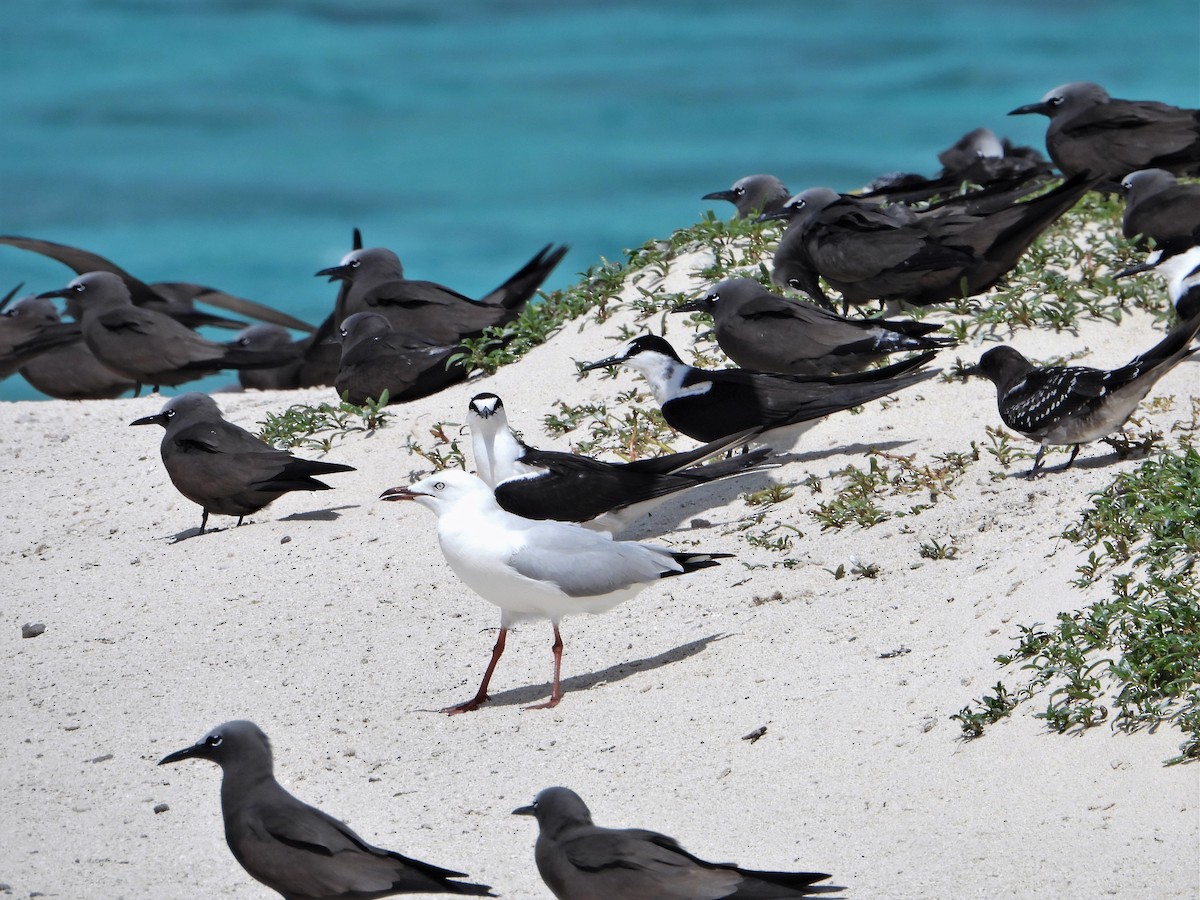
x: 333, y: 622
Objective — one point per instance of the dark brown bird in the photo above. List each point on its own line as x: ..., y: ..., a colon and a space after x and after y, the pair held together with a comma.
x: 69, y: 371
x: 764, y: 332
x: 1108, y: 138
x: 1160, y: 209
x: 146, y: 346
x: 28, y: 329
x: 377, y: 358
x: 376, y: 283
x: 223, y: 468
x: 754, y: 195
x: 894, y: 254
x: 294, y: 848
x: 579, y: 860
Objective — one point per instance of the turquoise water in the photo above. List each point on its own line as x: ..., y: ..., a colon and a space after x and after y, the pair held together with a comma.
x: 236, y: 143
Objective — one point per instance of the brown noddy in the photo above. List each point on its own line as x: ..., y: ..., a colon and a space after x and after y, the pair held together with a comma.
x: 68, y: 371
x: 377, y: 284
x: 754, y: 195
x: 765, y: 332
x: 1160, y: 209
x: 894, y: 254
x: 707, y: 404
x: 1075, y: 405
x: 296, y: 849
x: 375, y: 357
x: 580, y: 860
x: 1090, y: 131
x: 979, y: 157
x: 226, y: 469
x: 28, y: 329
x: 147, y: 346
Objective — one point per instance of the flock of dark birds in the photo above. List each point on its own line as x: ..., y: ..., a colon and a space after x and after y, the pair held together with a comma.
x: 532, y: 532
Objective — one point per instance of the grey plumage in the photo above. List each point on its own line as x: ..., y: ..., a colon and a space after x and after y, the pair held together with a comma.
x: 579, y: 860
x: 979, y: 157
x: 375, y: 282
x: 296, y: 849
x: 1059, y: 405
x: 754, y: 195
x: 146, y: 346
x: 28, y: 328
x: 224, y: 468
x: 1160, y: 209
x: 66, y: 371
x: 866, y: 251
x: 271, y: 337
x: 1108, y: 138
x: 767, y: 333
x: 376, y: 358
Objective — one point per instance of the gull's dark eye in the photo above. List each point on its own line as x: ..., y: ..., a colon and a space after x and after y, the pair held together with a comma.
x: 1055, y: 101
x: 79, y: 288
x: 439, y: 485
x: 355, y: 263
x: 169, y: 413
x: 214, y: 740
x: 738, y: 191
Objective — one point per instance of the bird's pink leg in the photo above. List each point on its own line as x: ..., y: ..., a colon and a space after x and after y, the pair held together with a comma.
x: 481, y: 696
x: 556, y: 691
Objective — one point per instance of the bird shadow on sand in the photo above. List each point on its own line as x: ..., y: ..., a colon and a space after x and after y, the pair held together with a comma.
x: 1094, y: 461
x: 329, y: 514
x: 529, y: 694
x: 848, y: 449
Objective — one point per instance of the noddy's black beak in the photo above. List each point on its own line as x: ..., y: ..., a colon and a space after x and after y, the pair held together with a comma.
x: 523, y: 811
x: 156, y: 419
x: 969, y: 371
x: 1039, y: 107
x: 721, y: 195
x: 335, y: 273
x: 61, y: 292
x: 196, y: 751
x: 603, y: 363
x: 698, y: 304
x: 785, y: 213
x: 400, y: 493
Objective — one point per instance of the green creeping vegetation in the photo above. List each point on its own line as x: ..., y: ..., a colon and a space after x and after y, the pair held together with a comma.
x: 1134, y: 656
x: 857, y: 501
x: 299, y: 425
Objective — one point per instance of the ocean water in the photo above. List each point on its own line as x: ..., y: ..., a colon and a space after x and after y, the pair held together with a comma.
x: 237, y: 142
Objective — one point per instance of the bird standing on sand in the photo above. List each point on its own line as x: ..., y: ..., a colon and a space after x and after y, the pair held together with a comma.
x: 374, y: 282
x: 534, y: 569
x: 707, y: 404
x: 1107, y: 137
x: 1077, y: 404
x: 582, y: 861
x: 866, y: 251
x: 764, y: 332
x: 146, y: 346
x: 570, y: 487
x: 223, y: 468
x: 294, y: 848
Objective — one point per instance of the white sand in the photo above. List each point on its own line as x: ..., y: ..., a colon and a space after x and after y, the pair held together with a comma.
x: 332, y: 620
